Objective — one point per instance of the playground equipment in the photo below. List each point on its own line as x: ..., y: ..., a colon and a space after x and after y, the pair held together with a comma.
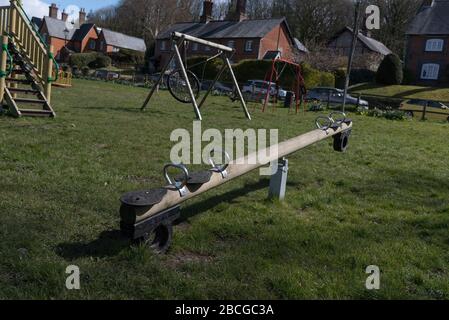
x: 184, y: 84
x: 278, y: 67
x: 31, y: 65
x: 149, y: 215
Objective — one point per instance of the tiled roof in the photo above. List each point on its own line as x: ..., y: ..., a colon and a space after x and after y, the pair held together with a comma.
x: 370, y: 43
x: 300, y: 46
x: 56, y: 28
x: 224, y: 29
x: 123, y: 41
x: 431, y: 20
x: 82, y: 32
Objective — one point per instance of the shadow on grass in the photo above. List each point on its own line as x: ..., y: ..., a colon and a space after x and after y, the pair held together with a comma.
x: 110, y: 243
x: 228, y: 197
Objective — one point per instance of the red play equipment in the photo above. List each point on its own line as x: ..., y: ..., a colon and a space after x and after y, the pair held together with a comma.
x: 278, y: 67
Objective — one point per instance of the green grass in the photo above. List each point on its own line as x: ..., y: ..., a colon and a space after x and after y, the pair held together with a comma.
x: 384, y: 203
x: 404, y: 92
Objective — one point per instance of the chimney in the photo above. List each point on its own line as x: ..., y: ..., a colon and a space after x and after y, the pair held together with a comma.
x: 64, y: 16
x: 53, y: 11
x: 238, y: 10
x: 207, y: 11
x: 82, y: 18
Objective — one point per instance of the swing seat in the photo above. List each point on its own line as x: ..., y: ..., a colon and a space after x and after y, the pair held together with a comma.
x: 145, y: 198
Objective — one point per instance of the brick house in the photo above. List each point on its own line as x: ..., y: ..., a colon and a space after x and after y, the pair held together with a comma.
x: 80, y: 37
x: 251, y: 39
x: 369, y: 52
x: 427, y: 53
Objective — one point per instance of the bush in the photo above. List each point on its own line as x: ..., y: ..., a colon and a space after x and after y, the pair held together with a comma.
x: 101, y: 61
x: 199, y: 66
x: 362, y: 76
x: 81, y: 60
x: 390, y: 71
x: 340, y: 78
x: 90, y: 59
x: 317, y: 78
x: 125, y: 56
x: 85, y: 71
x: 388, y: 114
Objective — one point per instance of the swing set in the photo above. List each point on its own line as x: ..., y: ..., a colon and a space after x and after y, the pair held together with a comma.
x: 184, y: 85
x: 278, y: 68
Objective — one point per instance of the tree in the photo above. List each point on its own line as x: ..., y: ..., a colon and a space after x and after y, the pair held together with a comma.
x: 390, y: 71
x: 396, y: 15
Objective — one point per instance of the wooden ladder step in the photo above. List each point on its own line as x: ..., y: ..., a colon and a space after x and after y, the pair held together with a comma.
x: 36, y: 113
x: 25, y: 91
x: 24, y: 100
x: 23, y: 81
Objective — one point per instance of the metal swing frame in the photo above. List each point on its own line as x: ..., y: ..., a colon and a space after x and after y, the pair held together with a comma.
x: 179, y: 40
x: 298, y: 82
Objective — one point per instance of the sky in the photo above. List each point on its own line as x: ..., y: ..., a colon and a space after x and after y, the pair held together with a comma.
x: 39, y: 8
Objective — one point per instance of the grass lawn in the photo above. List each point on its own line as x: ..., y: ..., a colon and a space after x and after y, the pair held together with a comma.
x: 404, y: 92
x: 383, y: 203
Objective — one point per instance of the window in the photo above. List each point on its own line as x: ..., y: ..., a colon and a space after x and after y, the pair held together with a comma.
x: 163, y: 45
x: 102, y: 45
x: 430, y: 71
x: 92, y: 44
x: 249, y: 46
x: 231, y: 44
x: 195, y: 46
x: 434, y: 45
x: 206, y: 48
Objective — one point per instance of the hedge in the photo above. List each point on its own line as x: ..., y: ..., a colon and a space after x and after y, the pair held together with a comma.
x: 257, y: 70
x: 90, y: 59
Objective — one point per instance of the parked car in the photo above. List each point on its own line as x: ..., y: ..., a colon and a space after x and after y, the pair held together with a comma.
x: 218, y: 87
x: 333, y: 95
x: 107, y: 75
x: 435, y: 110
x: 260, y: 87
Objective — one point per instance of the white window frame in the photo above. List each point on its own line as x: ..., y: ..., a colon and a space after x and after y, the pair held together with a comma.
x: 434, y: 45
x: 249, y: 45
x: 231, y: 44
x: 430, y: 71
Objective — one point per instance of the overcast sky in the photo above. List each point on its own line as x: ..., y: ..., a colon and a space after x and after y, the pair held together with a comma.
x: 39, y: 8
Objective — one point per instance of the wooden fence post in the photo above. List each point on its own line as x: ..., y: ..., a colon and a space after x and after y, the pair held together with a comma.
x: 425, y: 111
x: 49, y: 73
x: 12, y: 17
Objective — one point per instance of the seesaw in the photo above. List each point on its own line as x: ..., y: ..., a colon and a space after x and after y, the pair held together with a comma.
x: 149, y: 215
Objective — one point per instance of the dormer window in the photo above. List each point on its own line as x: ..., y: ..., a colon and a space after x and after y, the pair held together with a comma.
x: 434, y: 45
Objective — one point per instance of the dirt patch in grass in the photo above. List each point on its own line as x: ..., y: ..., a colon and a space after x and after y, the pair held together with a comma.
x: 184, y: 257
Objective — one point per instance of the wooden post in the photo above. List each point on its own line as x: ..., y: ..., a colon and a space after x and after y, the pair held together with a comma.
x: 425, y: 111
x: 49, y: 74
x: 12, y: 17
x: 4, y: 61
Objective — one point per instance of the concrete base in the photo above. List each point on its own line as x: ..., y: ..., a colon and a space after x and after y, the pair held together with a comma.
x: 278, y: 183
